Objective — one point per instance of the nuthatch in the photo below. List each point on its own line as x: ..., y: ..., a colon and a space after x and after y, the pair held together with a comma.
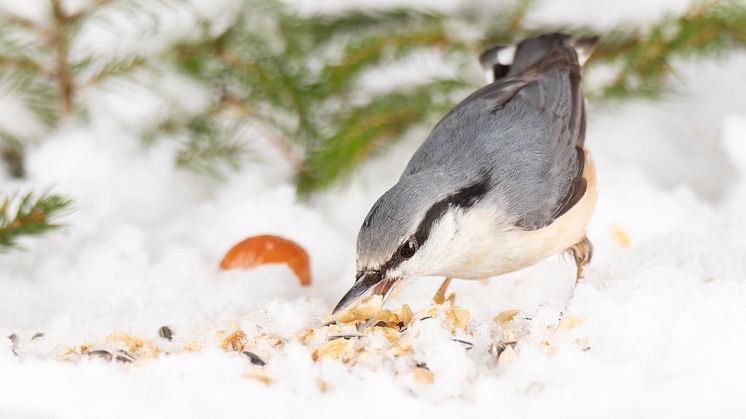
x: 502, y: 182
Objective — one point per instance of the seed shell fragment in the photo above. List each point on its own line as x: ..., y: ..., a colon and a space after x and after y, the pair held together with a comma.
x: 254, y: 358
x: 166, y: 333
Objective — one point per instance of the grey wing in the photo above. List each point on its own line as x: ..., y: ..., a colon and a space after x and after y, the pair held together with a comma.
x: 527, y: 131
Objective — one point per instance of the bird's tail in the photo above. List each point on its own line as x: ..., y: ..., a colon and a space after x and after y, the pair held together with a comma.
x: 508, y: 60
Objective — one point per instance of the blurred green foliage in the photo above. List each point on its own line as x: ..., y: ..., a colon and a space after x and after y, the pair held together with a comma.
x: 296, y: 79
x: 28, y: 215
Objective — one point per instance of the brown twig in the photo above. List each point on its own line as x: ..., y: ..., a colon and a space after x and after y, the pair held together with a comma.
x: 89, y: 11
x: 229, y: 102
x: 62, y: 73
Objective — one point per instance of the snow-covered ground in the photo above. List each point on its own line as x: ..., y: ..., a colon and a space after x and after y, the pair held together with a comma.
x: 664, y: 315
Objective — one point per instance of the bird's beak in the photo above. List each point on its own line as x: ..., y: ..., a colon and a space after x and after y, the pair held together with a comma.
x: 364, y: 282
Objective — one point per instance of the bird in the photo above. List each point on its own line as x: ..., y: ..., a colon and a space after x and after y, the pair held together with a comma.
x: 503, y: 181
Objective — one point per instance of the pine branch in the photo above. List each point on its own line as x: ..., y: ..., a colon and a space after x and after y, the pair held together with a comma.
x: 365, y: 52
x: 116, y: 67
x: 355, y: 22
x: 270, y: 74
x: 505, y: 24
x: 59, y: 43
x: 707, y: 29
x: 38, y: 94
x: 298, y: 77
x: 209, y: 147
x: 11, y: 153
x: 32, y: 216
x: 366, y: 129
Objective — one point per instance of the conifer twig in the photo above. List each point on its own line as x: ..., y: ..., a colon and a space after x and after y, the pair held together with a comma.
x: 62, y: 73
x: 32, y: 216
x: 265, y: 130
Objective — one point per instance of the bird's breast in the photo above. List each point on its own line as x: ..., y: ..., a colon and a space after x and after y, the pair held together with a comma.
x: 485, y: 243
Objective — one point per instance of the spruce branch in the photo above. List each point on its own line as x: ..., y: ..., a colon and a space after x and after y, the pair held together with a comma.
x: 37, y: 56
x: 209, y: 147
x: 503, y: 25
x: 355, y: 22
x: 116, y: 67
x: 297, y: 78
x: 11, y: 153
x: 371, y: 50
x: 276, y: 77
x: 33, y: 216
x: 59, y: 42
x: 706, y: 29
x: 367, y: 129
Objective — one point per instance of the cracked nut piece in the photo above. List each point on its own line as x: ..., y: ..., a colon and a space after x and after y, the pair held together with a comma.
x: 361, y: 310
x: 337, y: 349
x: 423, y: 375
x: 505, y: 316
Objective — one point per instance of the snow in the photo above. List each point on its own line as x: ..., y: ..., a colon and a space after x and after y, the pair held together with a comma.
x: 664, y: 317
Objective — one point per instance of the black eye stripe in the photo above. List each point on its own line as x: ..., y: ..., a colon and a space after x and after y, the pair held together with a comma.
x: 463, y: 198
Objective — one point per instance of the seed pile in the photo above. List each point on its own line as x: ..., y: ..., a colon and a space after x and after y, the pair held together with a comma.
x: 362, y: 335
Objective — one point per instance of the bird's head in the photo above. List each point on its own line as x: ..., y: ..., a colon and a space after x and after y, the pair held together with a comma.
x: 410, y: 230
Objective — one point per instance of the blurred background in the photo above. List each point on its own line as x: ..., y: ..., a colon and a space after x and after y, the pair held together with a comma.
x: 141, y: 139
x: 306, y: 92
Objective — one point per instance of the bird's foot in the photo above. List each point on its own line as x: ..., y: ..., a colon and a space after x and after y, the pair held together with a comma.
x: 440, y: 295
x: 582, y: 252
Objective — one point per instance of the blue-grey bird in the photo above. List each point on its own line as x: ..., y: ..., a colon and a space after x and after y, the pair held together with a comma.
x: 502, y: 182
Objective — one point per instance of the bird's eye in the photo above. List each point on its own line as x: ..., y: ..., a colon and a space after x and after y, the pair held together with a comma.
x: 407, y: 249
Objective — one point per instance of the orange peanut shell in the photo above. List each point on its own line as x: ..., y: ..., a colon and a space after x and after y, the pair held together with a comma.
x: 265, y: 249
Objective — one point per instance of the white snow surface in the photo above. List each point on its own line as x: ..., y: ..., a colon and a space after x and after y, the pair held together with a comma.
x: 665, y: 317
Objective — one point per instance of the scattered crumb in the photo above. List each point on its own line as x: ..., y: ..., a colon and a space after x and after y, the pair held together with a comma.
x: 337, y: 349
x: 423, y: 375
x: 570, y: 322
x: 192, y: 346
x: 362, y: 310
x: 260, y: 375
x: 143, y: 348
x: 505, y: 316
x: 584, y: 343
x: 235, y: 341
x: 619, y: 235
x: 323, y: 386
x: 458, y: 316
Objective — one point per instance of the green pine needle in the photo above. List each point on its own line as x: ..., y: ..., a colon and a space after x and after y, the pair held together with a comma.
x: 367, y: 129
x: 32, y: 216
x: 705, y: 30
x: 298, y: 75
x: 209, y: 148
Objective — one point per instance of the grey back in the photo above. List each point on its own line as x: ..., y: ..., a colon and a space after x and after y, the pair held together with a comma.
x: 525, y: 129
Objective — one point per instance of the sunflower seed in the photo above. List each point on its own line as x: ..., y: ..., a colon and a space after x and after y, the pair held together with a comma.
x: 496, y: 349
x: 468, y: 345
x: 166, y: 333
x: 101, y: 354
x: 124, y: 356
x: 254, y: 358
x: 344, y: 336
x: 14, y: 344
